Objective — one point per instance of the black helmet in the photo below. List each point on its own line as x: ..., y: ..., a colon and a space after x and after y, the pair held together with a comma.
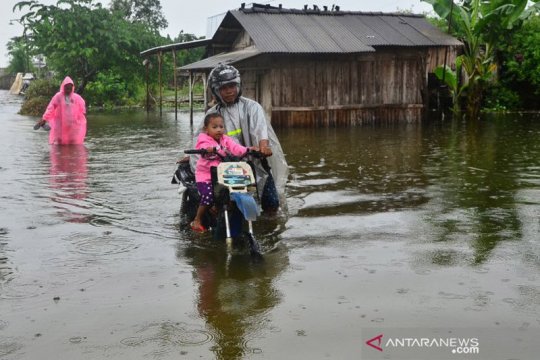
x: 222, y: 75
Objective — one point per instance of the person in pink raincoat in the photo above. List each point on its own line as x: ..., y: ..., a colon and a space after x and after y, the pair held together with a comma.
x: 66, y: 115
x: 214, y: 141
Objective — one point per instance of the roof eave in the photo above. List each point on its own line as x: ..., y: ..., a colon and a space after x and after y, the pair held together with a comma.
x: 177, y: 46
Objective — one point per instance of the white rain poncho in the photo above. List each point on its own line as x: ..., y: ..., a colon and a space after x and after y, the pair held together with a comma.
x: 246, y: 122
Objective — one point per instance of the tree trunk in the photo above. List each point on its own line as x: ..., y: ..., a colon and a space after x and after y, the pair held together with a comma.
x: 82, y: 86
x: 474, y: 101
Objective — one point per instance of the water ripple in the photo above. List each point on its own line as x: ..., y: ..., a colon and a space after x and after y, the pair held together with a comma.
x: 19, y: 291
x: 6, y: 272
x: 168, y: 335
x: 8, y: 347
x: 105, y: 244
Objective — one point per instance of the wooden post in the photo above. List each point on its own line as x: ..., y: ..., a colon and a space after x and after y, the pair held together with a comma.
x: 191, y: 97
x: 175, y: 87
x: 160, y: 54
x: 204, y: 91
x: 146, y: 64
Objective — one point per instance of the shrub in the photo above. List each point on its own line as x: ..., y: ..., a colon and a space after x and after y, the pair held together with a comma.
x: 37, y: 97
x: 501, y: 98
x: 108, y: 90
x: 42, y: 87
x: 35, y: 106
x: 521, y: 57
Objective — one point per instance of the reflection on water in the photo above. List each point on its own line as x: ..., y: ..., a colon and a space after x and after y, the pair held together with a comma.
x: 5, y: 269
x: 478, y: 173
x: 68, y: 177
x: 235, y: 296
x: 465, y: 182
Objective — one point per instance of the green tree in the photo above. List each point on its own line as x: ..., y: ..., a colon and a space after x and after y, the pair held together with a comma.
x: 190, y: 55
x: 520, y: 71
x: 480, y: 25
x: 148, y: 12
x: 82, y: 39
x: 19, y: 55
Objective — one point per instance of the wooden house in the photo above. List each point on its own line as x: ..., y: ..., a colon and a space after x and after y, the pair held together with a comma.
x: 326, y: 67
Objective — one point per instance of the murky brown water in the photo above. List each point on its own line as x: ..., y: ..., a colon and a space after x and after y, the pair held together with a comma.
x: 422, y: 228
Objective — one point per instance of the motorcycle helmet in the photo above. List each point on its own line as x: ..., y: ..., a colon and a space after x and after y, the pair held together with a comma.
x: 222, y: 75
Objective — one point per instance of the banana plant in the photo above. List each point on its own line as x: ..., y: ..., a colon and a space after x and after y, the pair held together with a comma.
x: 479, y: 24
x: 451, y: 79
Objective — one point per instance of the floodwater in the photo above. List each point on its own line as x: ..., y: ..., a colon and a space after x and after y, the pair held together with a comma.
x: 410, y: 230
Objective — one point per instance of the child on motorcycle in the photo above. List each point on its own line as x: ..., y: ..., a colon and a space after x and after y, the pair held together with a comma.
x: 215, y: 142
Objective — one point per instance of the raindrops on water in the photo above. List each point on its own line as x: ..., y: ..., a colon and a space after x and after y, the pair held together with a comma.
x: 169, y: 335
x: 103, y: 244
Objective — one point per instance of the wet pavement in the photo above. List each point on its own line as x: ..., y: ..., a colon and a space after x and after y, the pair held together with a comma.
x: 409, y: 230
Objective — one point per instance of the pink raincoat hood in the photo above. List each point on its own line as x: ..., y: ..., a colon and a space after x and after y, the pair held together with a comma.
x: 67, y: 80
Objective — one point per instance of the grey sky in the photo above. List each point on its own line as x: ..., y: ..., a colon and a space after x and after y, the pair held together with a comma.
x: 191, y: 16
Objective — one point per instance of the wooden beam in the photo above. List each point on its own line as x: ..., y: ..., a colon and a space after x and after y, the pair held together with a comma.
x: 146, y: 63
x: 204, y: 90
x: 160, y: 54
x: 191, y: 98
x: 175, y: 87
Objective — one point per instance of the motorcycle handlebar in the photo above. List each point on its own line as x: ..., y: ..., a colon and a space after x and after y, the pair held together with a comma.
x: 195, y: 151
x: 253, y: 153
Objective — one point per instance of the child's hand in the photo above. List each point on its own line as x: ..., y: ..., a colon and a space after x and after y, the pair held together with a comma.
x: 211, y: 150
x: 254, y: 148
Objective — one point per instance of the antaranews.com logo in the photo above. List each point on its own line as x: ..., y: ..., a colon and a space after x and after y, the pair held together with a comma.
x: 455, y: 345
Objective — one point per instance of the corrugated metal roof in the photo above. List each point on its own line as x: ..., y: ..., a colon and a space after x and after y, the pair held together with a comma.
x: 177, y: 46
x: 288, y: 31
x: 431, y: 32
x: 407, y: 32
x: 299, y: 33
x: 223, y: 58
x: 276, y: 30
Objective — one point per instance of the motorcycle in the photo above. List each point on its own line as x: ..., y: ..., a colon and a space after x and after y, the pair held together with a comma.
x: 234, y: 190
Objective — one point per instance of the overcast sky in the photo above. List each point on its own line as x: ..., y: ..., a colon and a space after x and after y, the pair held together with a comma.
x: 191, y: 16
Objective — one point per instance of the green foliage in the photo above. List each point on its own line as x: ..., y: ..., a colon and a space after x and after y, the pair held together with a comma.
x: 520, y: 57
x: 480, y: 24
x: 43, y: 87
x: 451, y: 78
x: 90, y: 43
x: 19, y: 56
x: 447, y: 75
x: 147, y: 12
x: 109, y: 90
x: 438, y: 22
x: 35, y: 106
x: 81, y: 40
x: 37, y: 96
x: 501, y: 98
x: 184, y: 57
